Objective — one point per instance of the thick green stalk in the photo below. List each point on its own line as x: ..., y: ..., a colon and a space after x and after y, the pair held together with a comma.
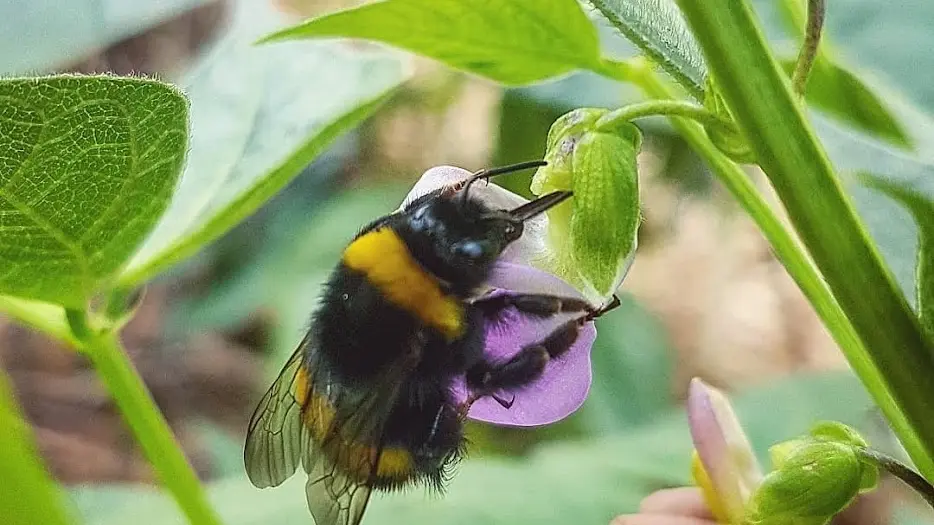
x: 148, y: 425
x: 792, y: 255
x: 759, y: 96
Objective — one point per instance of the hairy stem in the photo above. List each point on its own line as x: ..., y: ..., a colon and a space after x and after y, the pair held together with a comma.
x: 789, y: 251
x: 672, y: 108
x: 900, y: 471
x: 808, y: 52
x: 768, y: 113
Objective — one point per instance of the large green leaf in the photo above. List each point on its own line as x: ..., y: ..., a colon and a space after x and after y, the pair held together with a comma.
x: 586, y: 482
x: 87, y: 165
x: 892, y: 41
x: 843, y: 94
x: 259, y: 115
x: 894, y: 194
x: 867, y: 50
x: 658, y: 29
x: 27, y: 494
x: 42, y: 34
x: 510, y: 41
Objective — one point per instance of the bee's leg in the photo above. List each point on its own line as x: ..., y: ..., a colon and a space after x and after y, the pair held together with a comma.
x: 484, y: 378
x: 538, y: 305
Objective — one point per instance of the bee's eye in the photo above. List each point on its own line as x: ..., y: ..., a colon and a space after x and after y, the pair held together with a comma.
x: 421, y: 220
x: 469, y: 249
x: 513, y: 231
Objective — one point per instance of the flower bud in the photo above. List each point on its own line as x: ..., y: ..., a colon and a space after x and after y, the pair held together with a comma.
x: 593, y: 236
x: 813, y: 480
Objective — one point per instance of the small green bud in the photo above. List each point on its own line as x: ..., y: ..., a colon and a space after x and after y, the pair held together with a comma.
x: 593, y: 236
x: 813, y: 482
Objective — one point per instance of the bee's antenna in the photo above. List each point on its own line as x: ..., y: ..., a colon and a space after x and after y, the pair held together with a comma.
x: 492, y: 172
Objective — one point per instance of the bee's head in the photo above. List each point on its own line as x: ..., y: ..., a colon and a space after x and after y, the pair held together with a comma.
x: 459, y: 239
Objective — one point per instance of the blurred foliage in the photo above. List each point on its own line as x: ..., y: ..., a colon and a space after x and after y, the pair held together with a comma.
x: 28, y: 494
x: 585, y: 481
x: 41, y: 35
x: 259, y: 115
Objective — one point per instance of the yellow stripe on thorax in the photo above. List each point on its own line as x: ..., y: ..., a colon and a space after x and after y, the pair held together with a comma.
x: 355, y: 459
x: 385, y: 260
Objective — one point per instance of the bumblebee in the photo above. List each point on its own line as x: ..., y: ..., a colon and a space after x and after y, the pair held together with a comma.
x: 365, y: 403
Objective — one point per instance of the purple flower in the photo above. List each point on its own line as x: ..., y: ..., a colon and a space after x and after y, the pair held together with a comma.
x: 523, y: 268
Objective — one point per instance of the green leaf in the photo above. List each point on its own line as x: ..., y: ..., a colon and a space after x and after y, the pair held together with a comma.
x: 852, y: 80
x: 28, y: 494
x: 40, y: 34
x: 842, y: 94
x: 259, y: 116
x: 87, y: 165
x: 921, y: 207
x: 834, y: 89
x: 588, y: 481
x: 658, y: 29
x: 871, y: 35
x: 510, y: 41
x: 894, y: 193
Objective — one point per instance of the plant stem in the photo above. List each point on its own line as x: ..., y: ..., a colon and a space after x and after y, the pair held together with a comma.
x: 808, y: 52
x: 767, y: 112
x: 900, y: 471
x: 149, y: 426
x: 660, y: 107
x: 792, y: 255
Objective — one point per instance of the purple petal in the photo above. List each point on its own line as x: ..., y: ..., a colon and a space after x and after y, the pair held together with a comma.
x: 565, y: 383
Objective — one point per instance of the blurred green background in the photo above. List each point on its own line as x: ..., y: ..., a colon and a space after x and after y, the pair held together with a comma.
x: 704, y: 298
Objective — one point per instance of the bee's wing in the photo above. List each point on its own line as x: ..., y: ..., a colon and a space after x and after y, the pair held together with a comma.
x: 335, y: 495
x: 279, y: 436
x: 333, y: 498
x: 276, y: 438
